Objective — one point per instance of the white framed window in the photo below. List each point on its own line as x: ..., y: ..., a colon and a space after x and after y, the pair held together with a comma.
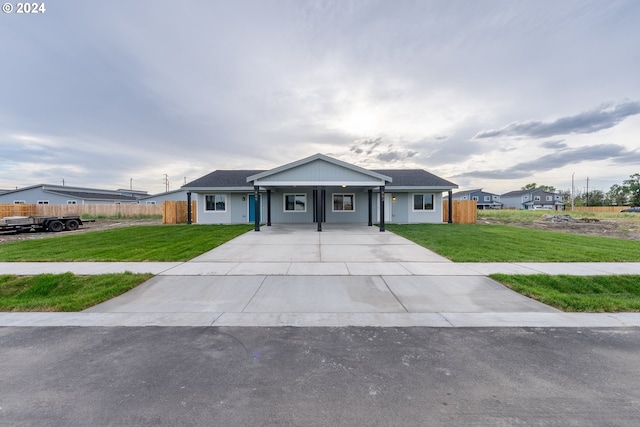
x: 215, y: 202
x: 19, y: 202
x: 43, y: 202
x: 423, y: 202
x: 536, y: 198
x: 295, y: 202
x: 475, y: 198
x: 343, y: 202
x: 72, y: 202
x: 487, y: 198
x: 151, y: 202
x: 549, y: 198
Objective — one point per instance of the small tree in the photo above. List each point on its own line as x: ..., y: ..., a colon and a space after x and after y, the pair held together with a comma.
x: 617, y: 195
x: 633, y: 188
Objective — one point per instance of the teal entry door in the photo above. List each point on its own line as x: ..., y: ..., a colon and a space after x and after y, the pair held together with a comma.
x: 252, y: 207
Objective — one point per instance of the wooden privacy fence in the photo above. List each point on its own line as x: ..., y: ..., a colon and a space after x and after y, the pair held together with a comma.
x: 122, y: 211
x: 119, y: 211
x: 175, y: 212
x: 17, y: 210
x: 601, y: 209
x: 464, y: 211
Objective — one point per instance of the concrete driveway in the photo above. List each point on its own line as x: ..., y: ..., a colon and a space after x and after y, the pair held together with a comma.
x: 294, y: 272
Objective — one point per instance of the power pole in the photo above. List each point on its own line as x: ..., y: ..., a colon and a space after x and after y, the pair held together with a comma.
x: 587, y: 196
x: 166, y: 182
x: 572, y: 190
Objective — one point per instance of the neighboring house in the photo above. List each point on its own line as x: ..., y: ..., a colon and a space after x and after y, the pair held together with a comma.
x: 45, y: 194
x: 319, y: 189
x: 485, y: 200
x: 532, y: 199
x: 157, y: 199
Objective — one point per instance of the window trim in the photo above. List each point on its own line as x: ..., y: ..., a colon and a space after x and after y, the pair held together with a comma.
x: 353, y: 202
x: 42, y: 202
x: 19, y: 202
x: 487, y: 198
x: 549, y: 198
x: 214, y: 195
x: 413, y: 204
x: 537, y: 198
x: 284, y: 202
x: 72, y: 202
x: 150, y: 202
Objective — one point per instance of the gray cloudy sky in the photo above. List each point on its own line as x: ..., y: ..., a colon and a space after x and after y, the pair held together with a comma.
x: 486, y: 93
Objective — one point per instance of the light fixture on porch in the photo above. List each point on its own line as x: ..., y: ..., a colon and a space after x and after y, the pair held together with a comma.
x: 393, y: 198
x: 344, y: 185
x: 244, y: 198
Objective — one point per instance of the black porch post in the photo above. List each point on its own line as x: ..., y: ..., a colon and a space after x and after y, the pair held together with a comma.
x: 188, y: 207
x: 256, y: 207
x: 268, y: 208
x: 450, y: 221
x: 382, y: 208
x: 319, y: 207
x: 370, y: 208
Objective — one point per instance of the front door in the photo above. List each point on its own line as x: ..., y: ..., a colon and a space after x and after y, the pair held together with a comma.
x: 252, y: 207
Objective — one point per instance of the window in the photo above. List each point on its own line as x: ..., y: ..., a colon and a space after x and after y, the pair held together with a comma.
x: 19, y: 202
x: 423, y: 202
x: 549, y: 198
x: 72, y: 202
x: 343, y: 202
x: 536, y: 198
x: 151, y: 202
x: 487, y: 198
x: 475, y: 198
x: 43, y: 202
x: 295, y: 202
x: 215, y: 202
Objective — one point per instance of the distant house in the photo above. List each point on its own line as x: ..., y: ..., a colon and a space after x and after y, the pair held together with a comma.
x: 485, y: 199
x: 45, y: 194
x: 532, y: 199
x: 157, y: 199
x: 319, y: 189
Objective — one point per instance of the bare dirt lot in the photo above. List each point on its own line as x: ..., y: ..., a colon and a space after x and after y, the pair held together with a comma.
x: 100, y: 224
x: 619, y: 228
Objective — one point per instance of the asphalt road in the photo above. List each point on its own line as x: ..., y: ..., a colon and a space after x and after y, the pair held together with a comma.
x: 153, y: 376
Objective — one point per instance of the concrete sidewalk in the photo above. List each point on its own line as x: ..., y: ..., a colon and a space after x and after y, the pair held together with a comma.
x: 346, y: 275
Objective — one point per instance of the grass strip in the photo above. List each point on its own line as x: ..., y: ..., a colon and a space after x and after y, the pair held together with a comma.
x: 63, y: 292
x: 136, y: 243
x: 503, y: 243
x: 609, y: 294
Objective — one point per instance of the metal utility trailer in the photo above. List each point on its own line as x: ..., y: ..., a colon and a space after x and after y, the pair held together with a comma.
x: 40, y: 223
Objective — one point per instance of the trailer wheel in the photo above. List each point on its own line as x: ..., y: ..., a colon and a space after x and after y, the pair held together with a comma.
x: 72, y: 225
x: 55, y: 226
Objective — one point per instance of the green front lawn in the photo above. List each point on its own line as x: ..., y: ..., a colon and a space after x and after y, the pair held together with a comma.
x: 63, y: 292
x: 578, y: 293
x: 501, y: 243
x: 137, y: 243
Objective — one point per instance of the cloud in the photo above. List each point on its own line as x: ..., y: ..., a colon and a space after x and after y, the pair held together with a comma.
x: 557, y: 145
x: 591, y: 121
x: 613, y: 152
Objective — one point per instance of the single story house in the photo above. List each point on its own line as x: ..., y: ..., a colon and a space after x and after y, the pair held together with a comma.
x: 484, y: 199
x: 45, y: 194
x: 532, y: 199
x: 319, y: 189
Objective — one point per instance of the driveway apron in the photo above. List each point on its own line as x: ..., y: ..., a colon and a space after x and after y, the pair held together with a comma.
x: 288, y: 269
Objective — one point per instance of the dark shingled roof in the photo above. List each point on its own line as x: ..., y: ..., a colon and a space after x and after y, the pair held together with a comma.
x: 224, y: 178
x: 401, y: 178
x: 414, y: 178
